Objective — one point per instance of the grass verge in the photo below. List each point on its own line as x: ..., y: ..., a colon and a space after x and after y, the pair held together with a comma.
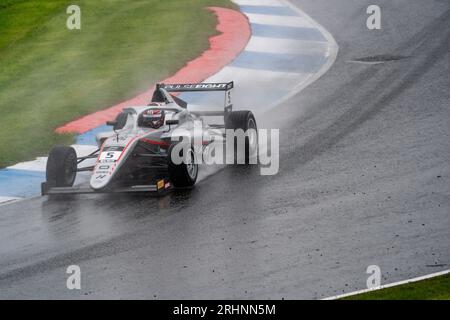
x: 437, y: 288
x: 50, y: 75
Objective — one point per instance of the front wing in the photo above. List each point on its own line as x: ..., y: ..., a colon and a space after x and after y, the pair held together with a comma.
x: 161, y: 188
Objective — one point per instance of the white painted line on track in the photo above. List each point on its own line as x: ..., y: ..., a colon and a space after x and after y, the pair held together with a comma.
x: 251, y: 97
x: 390, y: 285
x: 81, y: 150
x: 245, y: 75
x: 33, y: 165
x: 274, y: 3
x: 287, y: 21
x: 40, y: 163
x: 271, y: 88
x: 331, y: 54
x: 6, y: 200
x: 259, y: 44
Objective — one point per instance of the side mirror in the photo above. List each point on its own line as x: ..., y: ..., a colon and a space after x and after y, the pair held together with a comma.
x: 172, y: 122
x: 111, y: 123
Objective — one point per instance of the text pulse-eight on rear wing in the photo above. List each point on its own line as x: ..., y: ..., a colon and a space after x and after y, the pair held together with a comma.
x: 186, y: 87
x: 202, y: 87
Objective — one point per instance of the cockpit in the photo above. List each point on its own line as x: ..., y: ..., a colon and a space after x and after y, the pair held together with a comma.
x: 155, y: 117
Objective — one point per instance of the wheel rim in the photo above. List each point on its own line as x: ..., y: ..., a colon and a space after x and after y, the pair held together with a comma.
x: 191, y: 166
x: 252, y: 136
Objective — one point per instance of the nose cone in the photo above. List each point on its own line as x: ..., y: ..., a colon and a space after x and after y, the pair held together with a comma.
x: 112, y: 156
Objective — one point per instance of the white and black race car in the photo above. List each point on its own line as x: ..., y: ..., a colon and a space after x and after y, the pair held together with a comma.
x: 138, y: 155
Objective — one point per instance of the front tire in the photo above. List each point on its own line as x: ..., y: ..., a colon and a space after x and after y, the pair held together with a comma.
x: 183, y: 175
x: 61, y: 167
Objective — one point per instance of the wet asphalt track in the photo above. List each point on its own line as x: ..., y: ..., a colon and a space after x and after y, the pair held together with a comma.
x: 364, y: 179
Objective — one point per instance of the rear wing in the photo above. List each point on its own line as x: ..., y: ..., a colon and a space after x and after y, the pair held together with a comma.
x: 199, y: 87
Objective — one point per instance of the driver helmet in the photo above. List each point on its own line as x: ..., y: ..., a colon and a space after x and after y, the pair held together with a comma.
x: 152, y: 118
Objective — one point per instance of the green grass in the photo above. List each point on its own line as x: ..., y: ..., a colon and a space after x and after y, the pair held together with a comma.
x: 437, y: 288
x: 50, y: 75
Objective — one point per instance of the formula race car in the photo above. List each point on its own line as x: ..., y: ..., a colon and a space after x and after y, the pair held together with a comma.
x: 138, y: 155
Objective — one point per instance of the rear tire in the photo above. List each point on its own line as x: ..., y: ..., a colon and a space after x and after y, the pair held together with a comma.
x: 183, y: 175
x: 61, y: 167
x: 244, y: 120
